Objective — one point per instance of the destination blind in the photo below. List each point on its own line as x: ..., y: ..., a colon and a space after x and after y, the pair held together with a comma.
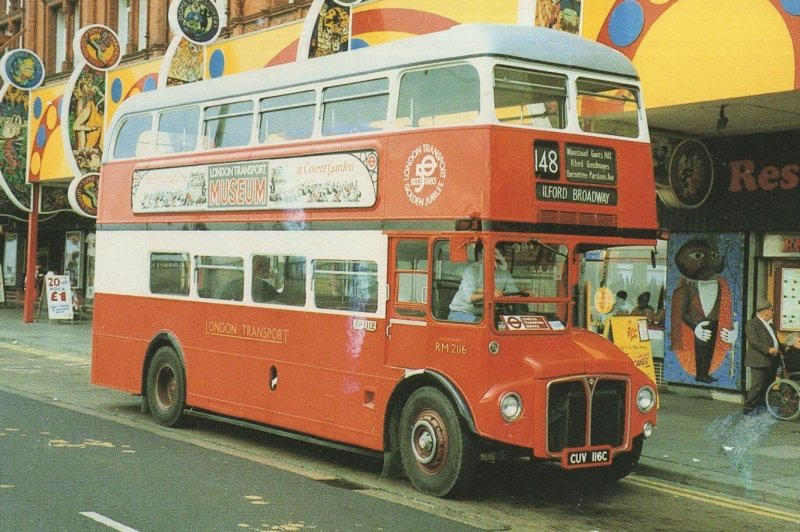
x: 574, y: 194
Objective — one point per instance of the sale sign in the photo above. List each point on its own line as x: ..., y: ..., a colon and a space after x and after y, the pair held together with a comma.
x: 59, y: 297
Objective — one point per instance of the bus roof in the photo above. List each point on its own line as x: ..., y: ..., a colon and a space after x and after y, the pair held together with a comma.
x: 529, y: 43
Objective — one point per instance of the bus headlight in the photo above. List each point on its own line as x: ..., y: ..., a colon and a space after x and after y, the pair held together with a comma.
x: 645, y: 399
x: 511, y: 407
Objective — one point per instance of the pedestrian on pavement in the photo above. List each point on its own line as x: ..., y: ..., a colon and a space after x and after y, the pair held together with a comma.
x: 761, y: 356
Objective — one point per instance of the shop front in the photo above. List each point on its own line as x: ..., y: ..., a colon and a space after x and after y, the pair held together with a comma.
x: 734, y: 238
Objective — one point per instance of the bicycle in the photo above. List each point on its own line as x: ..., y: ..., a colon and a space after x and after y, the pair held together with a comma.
x: 783, y: 395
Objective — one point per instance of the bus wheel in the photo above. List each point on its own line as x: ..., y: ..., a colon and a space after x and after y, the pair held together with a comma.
x: 166, y: 387
x: 438, y: 452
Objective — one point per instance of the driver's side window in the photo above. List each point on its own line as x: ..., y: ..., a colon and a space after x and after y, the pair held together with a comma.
x: 448, y: 277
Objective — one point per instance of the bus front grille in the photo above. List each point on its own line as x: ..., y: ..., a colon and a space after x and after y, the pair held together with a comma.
x: 586, y: 412
x: 547, y: 216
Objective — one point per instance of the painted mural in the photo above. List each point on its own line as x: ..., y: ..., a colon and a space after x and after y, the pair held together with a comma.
x: 563, y: 15
x: 14, y: 144
x: 86, y: 119
x: 331, y: 33
x: 185, y: 63
x: 705, y: 275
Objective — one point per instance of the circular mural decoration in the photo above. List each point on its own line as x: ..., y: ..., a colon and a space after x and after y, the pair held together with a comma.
x: 199, y: 21
x: 691, y: 176
x: 348, y: 3
x: 83, y: 194
x: 99, y: 46
x: 22, y: 68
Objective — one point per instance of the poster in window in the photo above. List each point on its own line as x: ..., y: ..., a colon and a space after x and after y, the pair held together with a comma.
x: 10, y: 260
x: 73, y: 258
x: 789, y: 318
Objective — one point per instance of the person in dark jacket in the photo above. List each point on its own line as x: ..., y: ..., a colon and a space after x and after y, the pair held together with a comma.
x: 761, y: 356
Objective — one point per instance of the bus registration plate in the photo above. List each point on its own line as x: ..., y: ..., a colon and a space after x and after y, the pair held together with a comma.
x: 586, y: 457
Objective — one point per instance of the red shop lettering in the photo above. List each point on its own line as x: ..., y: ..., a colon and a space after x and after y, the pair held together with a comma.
x: 745, y: 178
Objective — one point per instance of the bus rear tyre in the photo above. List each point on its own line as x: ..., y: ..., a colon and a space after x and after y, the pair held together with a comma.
x: 166, y: 387
x: 438, y: 453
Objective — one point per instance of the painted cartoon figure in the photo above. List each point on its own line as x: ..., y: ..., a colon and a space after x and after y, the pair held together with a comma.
x: 703, y: 330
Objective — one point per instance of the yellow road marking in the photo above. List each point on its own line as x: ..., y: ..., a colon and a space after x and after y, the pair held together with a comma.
x: 719, y: 501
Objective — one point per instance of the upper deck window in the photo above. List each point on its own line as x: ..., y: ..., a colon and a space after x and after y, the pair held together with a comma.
x: 177, y: 130
x: 439, y: 96
x: 529, y: 98
x: 134, y: 138
x: 608, y: 108
x: 287, y: 117
x: 355, y: 107
x: 228, y: 125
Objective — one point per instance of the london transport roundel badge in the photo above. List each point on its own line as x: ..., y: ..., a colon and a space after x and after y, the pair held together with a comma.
x: 424, y: 175
x: 22, y: 68
x: 99, y: 46
x: 197, y: 20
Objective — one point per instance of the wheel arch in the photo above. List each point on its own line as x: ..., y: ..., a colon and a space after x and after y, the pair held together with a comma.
x: 412, y: 381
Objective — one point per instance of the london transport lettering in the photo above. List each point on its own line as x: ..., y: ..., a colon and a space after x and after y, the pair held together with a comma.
x: 425, y: 169
x: 238, y: 185
x: 247, y: 331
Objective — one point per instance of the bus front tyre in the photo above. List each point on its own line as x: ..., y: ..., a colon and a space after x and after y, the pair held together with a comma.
x: 166, y: 387
x: 624, y: 463
x: 438, y: 453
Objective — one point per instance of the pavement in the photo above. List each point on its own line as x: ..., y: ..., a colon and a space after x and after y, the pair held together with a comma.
x: 700, y: 440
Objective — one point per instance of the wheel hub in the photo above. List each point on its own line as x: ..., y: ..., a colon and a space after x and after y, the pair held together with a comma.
x: 429, y: 441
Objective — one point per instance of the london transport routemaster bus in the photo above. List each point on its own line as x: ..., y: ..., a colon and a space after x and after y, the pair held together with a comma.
x: 303, y: 249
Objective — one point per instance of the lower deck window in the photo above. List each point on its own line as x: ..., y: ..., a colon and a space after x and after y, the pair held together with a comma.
x: 220, y: 277
x: 346, y: 285
x: 279, y: 279
x: 169, y: 273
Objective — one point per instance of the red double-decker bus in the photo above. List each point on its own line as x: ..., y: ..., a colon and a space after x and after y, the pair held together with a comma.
x: 304, y: 249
